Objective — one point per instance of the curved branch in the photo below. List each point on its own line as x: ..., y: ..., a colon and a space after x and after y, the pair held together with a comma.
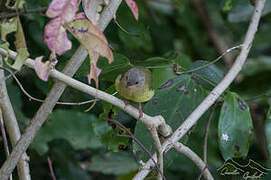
x: 216, y: 92
x: 12, y: 126
x: 195, y: 158
x: 55, y: 93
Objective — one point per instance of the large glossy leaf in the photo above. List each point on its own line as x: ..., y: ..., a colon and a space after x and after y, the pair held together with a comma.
x: 163, y: 67
x: 110, y: 71
x: 234, y: 127
x: 75, y: 127
x: 64, y: 161
x: 138, y: 37
x: 208, y: 76
x: 268, y: 131
x: 113, y: 163
x: 174, y: 100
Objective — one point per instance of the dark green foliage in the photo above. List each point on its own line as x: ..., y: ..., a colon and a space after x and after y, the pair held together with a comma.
x: 83, y: 145
x: 174, y: 102
x: 268, y: 131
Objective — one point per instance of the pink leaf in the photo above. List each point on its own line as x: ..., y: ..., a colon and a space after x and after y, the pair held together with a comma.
x: 65, y: 9
x: 133, y: 7
x: 42, y: 69
x: 80, y: 15
x: 55, y: 37
x: 94, y: 70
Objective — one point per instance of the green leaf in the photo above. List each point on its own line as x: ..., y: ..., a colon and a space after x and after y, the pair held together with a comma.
x: 7, y: 27
x: 227, y: 5
x: 109, y: 132
x: 64, y: 162
x: 113, y: 163
x: 234, y: 127
x: 113, y: 141
x: 110, y: 71
x: 163, y: 67
x: 17, y: 104
x: 207, y: 77
x: 161, y: 75
x: 75, y: 127
x: 268, y: 130
x: 175, y: 100
x: 15, y: 4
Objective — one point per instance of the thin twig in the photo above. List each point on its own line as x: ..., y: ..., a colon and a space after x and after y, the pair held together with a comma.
x: 5, y: 141
x: 211, y: 62
x: 50, y: 164
x: 28, y: 11
x: 131, y: 135
x: 12, y: 74
x: 206, y: 140
x: 216, y: 92
x: 12, y: 126
x: 40, y: 100
x: 195, y: 158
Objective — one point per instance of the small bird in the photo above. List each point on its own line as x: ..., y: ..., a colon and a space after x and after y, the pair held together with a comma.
x: 135, y: 85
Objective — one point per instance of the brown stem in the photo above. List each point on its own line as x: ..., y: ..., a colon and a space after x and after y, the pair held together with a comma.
x: 28, y: 11
x: 50, y: 164
x: 4, y: 136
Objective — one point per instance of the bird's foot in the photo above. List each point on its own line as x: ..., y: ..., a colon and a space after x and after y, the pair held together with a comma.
x: 126, y: 102
x: 140, y: 111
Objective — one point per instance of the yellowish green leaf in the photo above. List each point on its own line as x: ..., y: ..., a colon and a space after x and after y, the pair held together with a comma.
x: 22, y: 53
x: 90, y: 37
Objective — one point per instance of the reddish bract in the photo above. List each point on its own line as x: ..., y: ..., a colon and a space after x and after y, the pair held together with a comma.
x: 65, y: 9
x: 55, y: 37
x: 133, y: 7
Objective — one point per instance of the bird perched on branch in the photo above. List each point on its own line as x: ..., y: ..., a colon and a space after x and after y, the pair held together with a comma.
x: 135, y: 85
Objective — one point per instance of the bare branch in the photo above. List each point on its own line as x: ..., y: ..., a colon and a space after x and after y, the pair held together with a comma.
x: 12, y: 126
x: 216, y: 92
x: 159, y: 152
x: 206, y: 140
x: 195, y: 158
x: 40, y: 100
x: 8, y: 15
x: 4, y: 136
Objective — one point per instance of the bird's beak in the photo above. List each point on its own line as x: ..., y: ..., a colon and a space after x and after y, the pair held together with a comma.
x: 128, y: 84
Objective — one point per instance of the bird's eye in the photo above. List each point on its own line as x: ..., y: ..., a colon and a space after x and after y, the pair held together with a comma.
x: 136, y: 82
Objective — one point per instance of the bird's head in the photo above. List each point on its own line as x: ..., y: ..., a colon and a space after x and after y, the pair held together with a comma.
x: 134, y: 78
